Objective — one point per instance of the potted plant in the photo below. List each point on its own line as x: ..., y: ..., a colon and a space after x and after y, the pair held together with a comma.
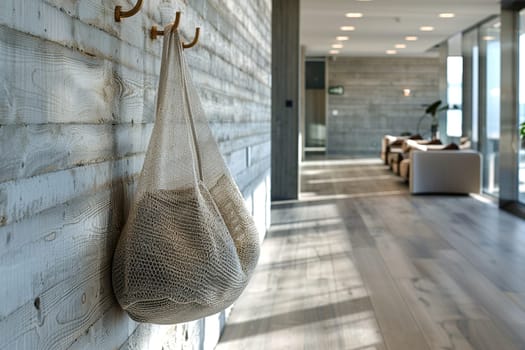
x: 433, y: 110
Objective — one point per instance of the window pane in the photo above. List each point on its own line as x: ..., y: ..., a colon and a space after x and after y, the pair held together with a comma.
x: 521, y: 119
x: 490, y: 43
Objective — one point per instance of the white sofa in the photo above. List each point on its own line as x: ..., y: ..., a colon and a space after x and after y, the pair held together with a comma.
x: 457, y: 171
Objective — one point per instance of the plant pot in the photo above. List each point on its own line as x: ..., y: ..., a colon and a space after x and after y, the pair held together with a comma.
x: 433, y: 131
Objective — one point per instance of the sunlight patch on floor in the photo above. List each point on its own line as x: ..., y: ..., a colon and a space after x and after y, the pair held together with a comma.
x: 312, y: 196
x: 349, y: 179
x: 332, y: 162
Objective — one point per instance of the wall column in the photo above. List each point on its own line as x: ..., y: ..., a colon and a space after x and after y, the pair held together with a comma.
x: 509, y: 142
x: 285, y: 99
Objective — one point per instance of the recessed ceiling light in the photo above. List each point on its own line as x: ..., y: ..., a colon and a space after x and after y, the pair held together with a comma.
x: 333, y: 52
x: 400, y: 46
x: 354, y: 15
x: 426, y: 28
x: 337, y: 46
x: 347, y: 28
x: 342, y: 38
x: 497, y: 25
x: 447, y: 15
x: 488, y: 37
x: 390, y: 52
x: 410, y: 38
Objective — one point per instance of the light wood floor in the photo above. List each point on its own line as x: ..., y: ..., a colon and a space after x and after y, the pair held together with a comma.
x: 359, y: 264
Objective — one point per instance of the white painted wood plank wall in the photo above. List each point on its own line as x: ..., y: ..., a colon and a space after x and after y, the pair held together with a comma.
x: 77, y: 94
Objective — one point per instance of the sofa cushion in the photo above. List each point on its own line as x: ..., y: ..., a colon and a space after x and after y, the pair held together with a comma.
x: 451, y: 147
x: 415, y: 137
x: 445, y: 172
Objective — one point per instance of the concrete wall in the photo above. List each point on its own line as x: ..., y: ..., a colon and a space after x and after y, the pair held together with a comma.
x: 373, y: 103
x: 77, y: 94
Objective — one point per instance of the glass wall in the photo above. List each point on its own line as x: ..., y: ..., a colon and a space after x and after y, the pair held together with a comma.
x: 470, y: 53
x: 490, y: 52
x: 521, y: 106
x: 454, y: 96
x: 494, y: 61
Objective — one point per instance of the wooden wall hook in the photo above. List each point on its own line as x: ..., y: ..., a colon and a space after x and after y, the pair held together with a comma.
x: 195, y: 39
x: 119, y: 14
x: 154, y: 32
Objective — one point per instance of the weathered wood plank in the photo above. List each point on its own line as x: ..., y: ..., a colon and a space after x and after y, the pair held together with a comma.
x: 235, y: 136
x: 424, y: 292
x: 86, y: 227
x: 77, y: 113
x: 20, y: 199
x: 397, y: 324
x: 46, y: 83
x: 148, y: 336
x: 71, y: 87
x: 42, y: 148
x: 448, y: 286
x: 62, y: 67
x: 57, y: 317
x: 251, y: 175
x: 48, y: 22
x: 435, y: 313
x: 53, y: 300
x: 518, y: 298
x: 503, y: 311
x: 488, y: 241
x: 88, y: 38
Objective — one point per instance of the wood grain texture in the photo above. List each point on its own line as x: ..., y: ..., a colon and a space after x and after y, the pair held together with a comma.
x: 38, y: 149
x: 77, y: 105
x: 20, y: 199
x: 356, y: 265
x: 87, y: 226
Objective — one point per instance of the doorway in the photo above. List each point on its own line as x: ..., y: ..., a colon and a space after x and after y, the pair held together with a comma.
x: 315, y: 106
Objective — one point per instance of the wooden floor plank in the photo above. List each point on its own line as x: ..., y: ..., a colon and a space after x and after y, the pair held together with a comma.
x: 398, y: 327
x: 359, y: 264
x: 502, y: 310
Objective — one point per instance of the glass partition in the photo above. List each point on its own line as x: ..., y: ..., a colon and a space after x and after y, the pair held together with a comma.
x: 470, y: 103
x: 454, y: 96
x: 490, y: 119
x: 521, y: 107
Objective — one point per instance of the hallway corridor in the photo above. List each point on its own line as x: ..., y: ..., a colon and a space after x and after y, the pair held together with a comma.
x: 359, y: 264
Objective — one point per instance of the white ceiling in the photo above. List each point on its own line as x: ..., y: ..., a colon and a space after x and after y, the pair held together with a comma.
x: 386, y: 23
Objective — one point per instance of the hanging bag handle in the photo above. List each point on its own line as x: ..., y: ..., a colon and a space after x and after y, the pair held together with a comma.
x: 165, y: 149
x: 208, y: 158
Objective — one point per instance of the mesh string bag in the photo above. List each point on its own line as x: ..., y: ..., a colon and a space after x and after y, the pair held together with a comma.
x: 189, y: 245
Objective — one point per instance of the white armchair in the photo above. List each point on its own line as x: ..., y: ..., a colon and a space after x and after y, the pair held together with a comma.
x: 445, y: 171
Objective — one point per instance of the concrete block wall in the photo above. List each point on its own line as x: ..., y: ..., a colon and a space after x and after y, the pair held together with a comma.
x: 373, y: 103
x: 77, y: 101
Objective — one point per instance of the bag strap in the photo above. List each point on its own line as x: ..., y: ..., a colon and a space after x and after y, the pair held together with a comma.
x: 188, y: 105
x: 192, y: 125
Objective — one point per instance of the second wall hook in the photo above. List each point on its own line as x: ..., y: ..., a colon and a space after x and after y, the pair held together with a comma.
x: 154, y: 32
x: 119, y: 14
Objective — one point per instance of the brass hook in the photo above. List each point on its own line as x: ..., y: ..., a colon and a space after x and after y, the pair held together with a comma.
x: 195, y: 39
x: 119, y: 14
x: 154, y: 32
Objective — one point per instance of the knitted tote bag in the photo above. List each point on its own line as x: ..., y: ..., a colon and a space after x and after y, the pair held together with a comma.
x: 189, y: 245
